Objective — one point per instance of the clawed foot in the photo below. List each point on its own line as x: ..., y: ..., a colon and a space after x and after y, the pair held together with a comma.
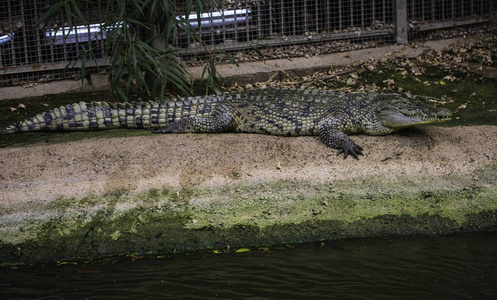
x: 182, y: 125
x: 352, y: 149
x: 162, y: 130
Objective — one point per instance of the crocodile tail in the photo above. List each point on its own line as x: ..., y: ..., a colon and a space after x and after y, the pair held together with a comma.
x: 72, y: 117
x: 145, y: 114
x: 99, y: 115
x: 14, y: 128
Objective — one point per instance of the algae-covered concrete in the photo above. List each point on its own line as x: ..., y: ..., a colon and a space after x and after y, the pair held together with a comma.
x: 167, y: 193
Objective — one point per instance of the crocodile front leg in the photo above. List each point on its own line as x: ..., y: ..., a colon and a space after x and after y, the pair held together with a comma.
x: 220, y: 120
x: 331, y: 133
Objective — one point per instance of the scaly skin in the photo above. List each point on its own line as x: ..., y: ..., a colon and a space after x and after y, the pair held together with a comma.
x: 286, y: 112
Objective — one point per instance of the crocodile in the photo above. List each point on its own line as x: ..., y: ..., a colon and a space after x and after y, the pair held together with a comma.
x: 277, y: 111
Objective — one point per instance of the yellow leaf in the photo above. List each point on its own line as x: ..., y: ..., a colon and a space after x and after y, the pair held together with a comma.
x: 215, y: 251
x: 242, y: 250
x: 442, y: 82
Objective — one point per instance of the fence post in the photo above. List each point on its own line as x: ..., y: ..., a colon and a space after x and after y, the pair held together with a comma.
x: 401, y: 26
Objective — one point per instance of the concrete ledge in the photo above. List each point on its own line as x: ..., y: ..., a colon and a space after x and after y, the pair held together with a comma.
x: 99, y: 82
x: 167, y: 193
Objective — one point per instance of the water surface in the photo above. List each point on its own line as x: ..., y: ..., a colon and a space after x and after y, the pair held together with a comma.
x: 461, y: 266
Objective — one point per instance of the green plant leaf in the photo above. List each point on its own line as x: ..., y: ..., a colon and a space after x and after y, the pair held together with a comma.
x: 188, y: 7
x: 128, y: 46
x: 230, y: 58
x: 254, y: 47
x: 51, y: 12
x: 242, y: 250
x: 67, y: 9
x: 83, y: 68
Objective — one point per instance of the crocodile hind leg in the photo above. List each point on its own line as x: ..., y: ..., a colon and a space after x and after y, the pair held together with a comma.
x: 331, y: 134
x: 220, y: 120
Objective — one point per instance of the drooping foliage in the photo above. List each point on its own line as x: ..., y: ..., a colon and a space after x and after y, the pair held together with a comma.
x: 139, y: 43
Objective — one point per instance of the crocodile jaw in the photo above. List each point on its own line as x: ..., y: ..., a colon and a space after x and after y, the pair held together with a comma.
x: 397, y: 119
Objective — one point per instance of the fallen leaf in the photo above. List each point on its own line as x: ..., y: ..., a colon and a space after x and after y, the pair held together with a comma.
x: 389, y: 81
x: 351, y: 81
x: 449, y: 78
x: 242, y: 250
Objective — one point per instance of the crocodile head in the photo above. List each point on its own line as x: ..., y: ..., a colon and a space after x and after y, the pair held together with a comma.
x: 401, y: 111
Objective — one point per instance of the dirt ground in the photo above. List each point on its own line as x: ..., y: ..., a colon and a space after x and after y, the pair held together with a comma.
x: 46, y: 172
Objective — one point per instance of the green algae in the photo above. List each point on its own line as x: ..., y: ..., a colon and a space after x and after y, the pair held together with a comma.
x: 245, y: 215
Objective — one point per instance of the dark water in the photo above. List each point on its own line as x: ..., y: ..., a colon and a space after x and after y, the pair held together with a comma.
x: 462, y: 266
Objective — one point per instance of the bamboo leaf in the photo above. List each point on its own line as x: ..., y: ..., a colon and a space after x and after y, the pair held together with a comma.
x: 256, y: 49
x: 204, y: 70
x: 231, y: 58
x: 83, y: 68
x: 166, y: 8
x: 169, y: 37
x: 79, y: 14
x: 121, y: 93
x: 67, y: 9
x: 133, y: 60
x: 188, y: 7
x: 200, y: 9
x: 53, y: 11
x: 179, y: 82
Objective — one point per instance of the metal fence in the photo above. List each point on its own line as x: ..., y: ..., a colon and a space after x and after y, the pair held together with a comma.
x: 425, y: 16
x: 29, y: 54
x: 290, y: 22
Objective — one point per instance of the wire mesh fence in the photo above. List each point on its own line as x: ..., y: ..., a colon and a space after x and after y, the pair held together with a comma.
x: 427, y: 15
x: 448, y: 10
x: 30, y: 53
x: 285, y: 22
x: 33, y: 54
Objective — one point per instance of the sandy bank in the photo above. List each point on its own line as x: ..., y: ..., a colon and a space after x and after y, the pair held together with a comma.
x: 178, y: 192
